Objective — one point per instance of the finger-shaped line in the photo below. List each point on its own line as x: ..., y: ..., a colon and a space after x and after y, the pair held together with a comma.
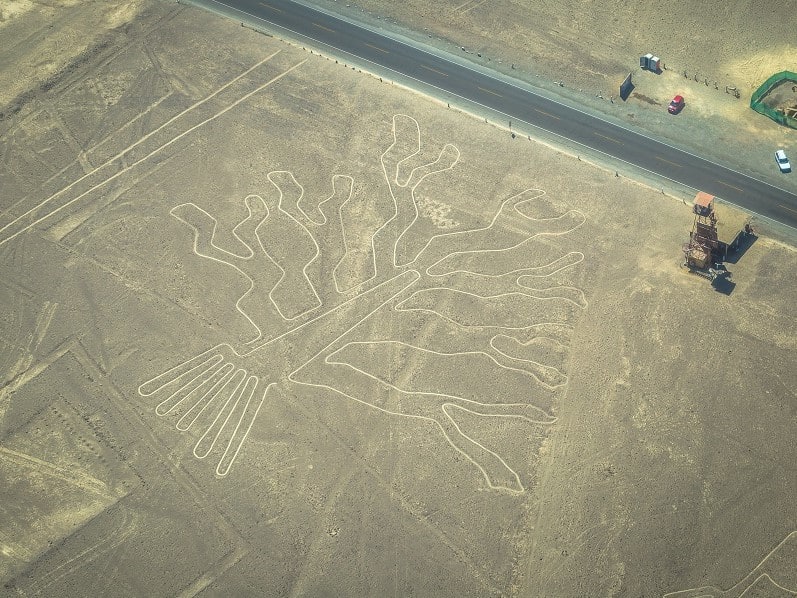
x: 208, y: 438
x: 242, y: 428
x: 200, y: 405
x: 466, y: 237
x: 205, y: 248
x: 186, y: 390
x: 181, y: 370
x: 245, y: 230
x: 340, y: 195
x: 192, y: 393
x: 569, y: 260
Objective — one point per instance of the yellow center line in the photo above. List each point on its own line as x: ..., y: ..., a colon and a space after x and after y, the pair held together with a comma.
x: 492, y: 92
x: 324, y: 28
x: 612, y: 139
x: 377, y: 48
x: 271, y: 7
x: 668, y: 161
x: 428, y: 68
x: 548, y: 114
x: 780, y: 205
x: 729, y: 185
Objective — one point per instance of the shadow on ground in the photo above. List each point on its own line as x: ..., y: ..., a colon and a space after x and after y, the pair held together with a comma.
x: 724, y: 285
x: 746, y: 241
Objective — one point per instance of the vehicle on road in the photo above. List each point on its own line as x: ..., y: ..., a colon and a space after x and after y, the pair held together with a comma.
x: 782, y: 160
x: 676, y: 105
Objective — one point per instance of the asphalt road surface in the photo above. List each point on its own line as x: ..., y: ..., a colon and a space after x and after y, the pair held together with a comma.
x: 522, y: 105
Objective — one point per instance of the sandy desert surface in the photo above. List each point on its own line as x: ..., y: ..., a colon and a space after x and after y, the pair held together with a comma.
x: 270, y: 326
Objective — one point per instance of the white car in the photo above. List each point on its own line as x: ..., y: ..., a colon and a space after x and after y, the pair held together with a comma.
x: 783, y: 161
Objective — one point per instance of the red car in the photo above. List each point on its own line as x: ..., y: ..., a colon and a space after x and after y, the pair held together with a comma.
x: 676, y: 104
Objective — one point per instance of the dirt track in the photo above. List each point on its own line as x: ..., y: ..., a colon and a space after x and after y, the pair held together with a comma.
x: 406, y: 361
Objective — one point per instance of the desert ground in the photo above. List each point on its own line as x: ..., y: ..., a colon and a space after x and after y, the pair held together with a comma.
x: 273, y: 327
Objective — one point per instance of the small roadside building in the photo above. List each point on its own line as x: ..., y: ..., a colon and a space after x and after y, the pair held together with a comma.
x: 732, y: 225
x: 718, y: 228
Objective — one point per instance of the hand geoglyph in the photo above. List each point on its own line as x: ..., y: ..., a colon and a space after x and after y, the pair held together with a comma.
x: 493, y: 301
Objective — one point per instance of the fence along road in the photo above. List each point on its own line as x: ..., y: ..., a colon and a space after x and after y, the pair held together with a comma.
x: 522, y: 105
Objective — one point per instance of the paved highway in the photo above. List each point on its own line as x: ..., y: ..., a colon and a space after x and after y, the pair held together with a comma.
x: 519, y: 103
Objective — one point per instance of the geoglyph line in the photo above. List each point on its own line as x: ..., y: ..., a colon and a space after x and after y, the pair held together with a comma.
x: 477, y: 409
x: 201, y: 252
x: 72, y: 476
x: 464, y: 4
x: 396, y: 210
x: 128, y: 167
x: 541, y: 296
x: 307, y: 265
x: 136, y: 118
x: 210, y: 381
x: 551, y: 371
x: 331, y: 360
x: 555, y: 267
x: 200, y: 380
x: 402, y: 307
x: 445, y: 402
x: 759, y: 572
x: 88, y: 555
x: 515, y: 203
x: 220, y: 381
x: 253, y: 222
x: 144, y: 138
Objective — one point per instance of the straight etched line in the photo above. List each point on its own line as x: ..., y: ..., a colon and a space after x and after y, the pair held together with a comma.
x: 478, y: 4
x: 72, y: 476
x: 464, y: 4
x: 130, y: 147
x: 136, y: 163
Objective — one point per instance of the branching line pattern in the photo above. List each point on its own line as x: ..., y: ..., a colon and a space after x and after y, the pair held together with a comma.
x: 312, y: 326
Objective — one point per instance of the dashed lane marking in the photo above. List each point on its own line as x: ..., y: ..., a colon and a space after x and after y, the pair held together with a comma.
x: 491, y: 91
x: 324, y: 28
x: 377, y: 48
x: 612, y: 139
x: 548, y: 114
x: 780, y: 205
x: 731, y: 186
x: 428, y: 68
x: 669, y: 162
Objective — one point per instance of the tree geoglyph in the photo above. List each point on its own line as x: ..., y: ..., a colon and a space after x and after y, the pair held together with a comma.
x: 493, y: 301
